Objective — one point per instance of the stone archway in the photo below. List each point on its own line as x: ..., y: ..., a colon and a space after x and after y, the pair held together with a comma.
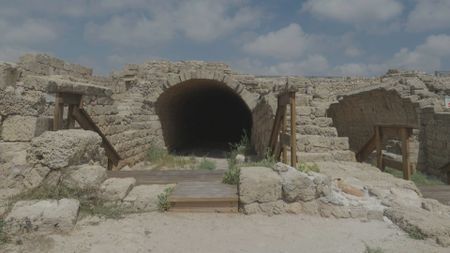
x: 203, y: 113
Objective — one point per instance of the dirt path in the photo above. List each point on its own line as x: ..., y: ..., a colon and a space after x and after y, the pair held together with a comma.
x: 174, y: 232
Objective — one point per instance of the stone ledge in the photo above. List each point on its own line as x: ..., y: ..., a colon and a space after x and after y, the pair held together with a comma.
x: 54, y: 84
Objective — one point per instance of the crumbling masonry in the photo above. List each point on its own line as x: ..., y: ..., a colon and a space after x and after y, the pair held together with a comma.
x: 192, y: 103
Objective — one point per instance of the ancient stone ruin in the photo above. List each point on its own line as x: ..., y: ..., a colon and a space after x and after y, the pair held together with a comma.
x: 194, y: 105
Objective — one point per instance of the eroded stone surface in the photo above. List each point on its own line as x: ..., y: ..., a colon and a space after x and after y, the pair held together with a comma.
x: 59, y: 149
x: 85, y: 177
x: 24, y: 128
x: 42, y: 216
x: 115, y: 189
x: 259, y: 184
x: 144, y: 198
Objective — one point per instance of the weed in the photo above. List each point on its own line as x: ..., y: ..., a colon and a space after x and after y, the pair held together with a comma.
x: 156, y: 154
x: 206, y: 164
x: 3, y: 236
x: 308, y: 167
x: 243, y: 146
x: 415, y: 233
x: 419, y: 178
x: 373, y: 250
x: 231, y: 176
x: 161, y: 158
x: 163, y: 200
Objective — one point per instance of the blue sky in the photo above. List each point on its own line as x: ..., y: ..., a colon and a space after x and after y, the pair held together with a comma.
x: 272, y: 37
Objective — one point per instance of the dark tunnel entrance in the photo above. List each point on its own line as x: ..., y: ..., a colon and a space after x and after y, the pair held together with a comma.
x: 199, y: 115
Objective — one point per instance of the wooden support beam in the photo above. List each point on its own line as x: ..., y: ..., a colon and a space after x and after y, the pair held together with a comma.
x: 87, y: 123
x: 283, y: 132
x: 293, y: 131
x: 281, y: 110
x: 70, y: 119
x: 405, y: 133
x: 378, y: 143
x: 58, y: 112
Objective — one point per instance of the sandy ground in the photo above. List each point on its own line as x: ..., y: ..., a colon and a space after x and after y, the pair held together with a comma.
x: 182, y: 232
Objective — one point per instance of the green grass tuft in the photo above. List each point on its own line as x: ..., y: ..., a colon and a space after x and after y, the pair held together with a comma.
x: 308, y: 167
x: 373, y: 250
x: 163, y: 200
x: 419, y: 178
x: 415, y: 233
x: 3, y: 236
x: 161, y: 158
x: 206, y: 164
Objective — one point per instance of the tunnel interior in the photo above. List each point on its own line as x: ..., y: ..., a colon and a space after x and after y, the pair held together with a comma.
x: 199, y: 115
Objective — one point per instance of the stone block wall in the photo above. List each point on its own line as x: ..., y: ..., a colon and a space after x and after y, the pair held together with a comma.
x: 435, y: 139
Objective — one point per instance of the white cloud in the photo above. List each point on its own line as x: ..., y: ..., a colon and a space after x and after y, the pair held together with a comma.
x: 429, y: 15
x: 354, y: 11
x: 425, y: 57
x: 29, y: 31
x: 312, y: 65
x: 289, y: 42
x: 198, y: 20
x: 12, y: 54
x: 131, y: 31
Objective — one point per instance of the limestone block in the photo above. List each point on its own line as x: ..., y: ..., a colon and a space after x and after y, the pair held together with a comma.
x: 8, y: 75
x: 304, y: 110
x: 144, y: 198
x: 115, y: 189
x: 275, y: 207
x: 24, y: 128
x: 259, y: 184
x: 297, y: 185
x: 42, y: 216
x: 85, y: 177
x: 252, y: 208
x: 420, y: 222
x: 14, y: 153
x: 294, y: 208
x: 59, y: 149
x: 405, y: 197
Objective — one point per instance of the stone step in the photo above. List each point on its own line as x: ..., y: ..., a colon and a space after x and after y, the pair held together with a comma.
x: 311, y: 110
x: 347, y: 156
x: 317, y: 130
x: 317, y: 143
x: 317, y: 121
x: 204, y: 197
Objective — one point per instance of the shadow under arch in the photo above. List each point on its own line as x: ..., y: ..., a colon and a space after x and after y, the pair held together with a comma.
x: 202, y: 114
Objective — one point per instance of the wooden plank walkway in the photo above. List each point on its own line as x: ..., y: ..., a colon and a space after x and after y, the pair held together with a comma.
x: 204, y: 197
x: 438, y: 192
x: 169, y: 176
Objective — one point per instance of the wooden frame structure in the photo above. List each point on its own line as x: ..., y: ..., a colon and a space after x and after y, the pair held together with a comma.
x: 76, y: 113
x: 376, y: 143
x: 279, y: 139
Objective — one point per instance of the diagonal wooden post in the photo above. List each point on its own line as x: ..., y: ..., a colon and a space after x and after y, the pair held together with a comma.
x: 293, y: 131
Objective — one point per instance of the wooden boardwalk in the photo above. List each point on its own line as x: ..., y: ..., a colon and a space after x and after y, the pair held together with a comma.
x: 169, y: 176
x: 438, y: 192
x: 204, y: 197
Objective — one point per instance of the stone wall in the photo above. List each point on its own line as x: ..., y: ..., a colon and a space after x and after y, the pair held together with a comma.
x: 407, y: 99
x: 130, y: 119
x: 435, y: 139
